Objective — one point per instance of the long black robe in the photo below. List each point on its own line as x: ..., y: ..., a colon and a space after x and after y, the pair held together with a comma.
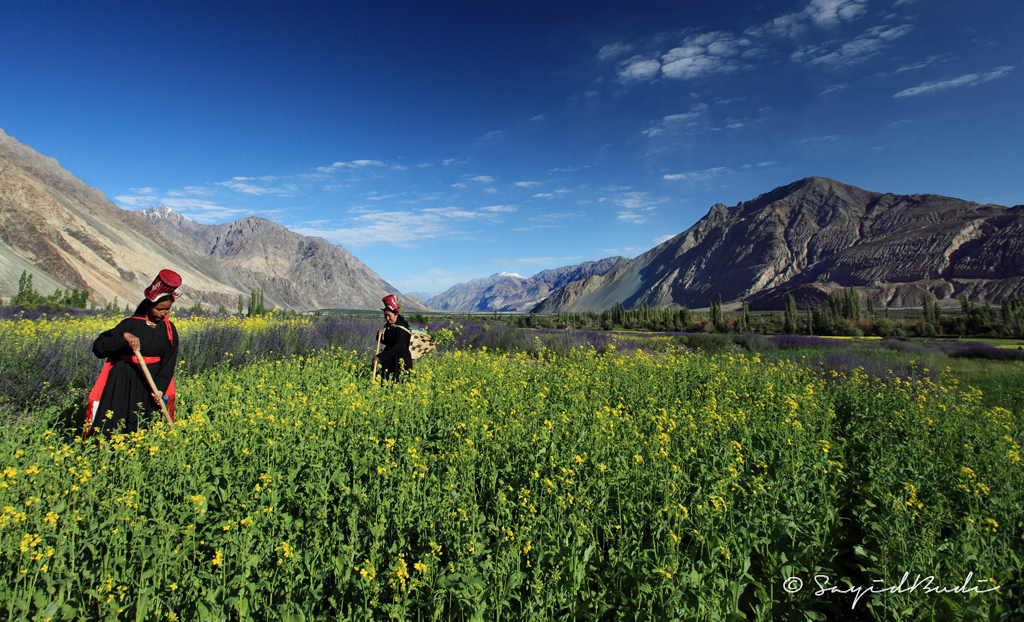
x: 126, y: 387
x: 395, y: 356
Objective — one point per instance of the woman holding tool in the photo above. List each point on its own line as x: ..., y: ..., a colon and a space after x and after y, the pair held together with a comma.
x: 124, y: 394
x: 396, y: 354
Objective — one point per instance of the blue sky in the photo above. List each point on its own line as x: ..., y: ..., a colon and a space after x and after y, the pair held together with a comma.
x: 440, y: 142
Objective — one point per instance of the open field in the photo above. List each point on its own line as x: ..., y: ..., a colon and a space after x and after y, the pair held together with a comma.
x: 672, y: 477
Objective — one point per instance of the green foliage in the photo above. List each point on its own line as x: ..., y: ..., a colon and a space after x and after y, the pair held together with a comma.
x: 791, y: 314
x: 505, y: 486
x: 27, y: 296
x: 256, y: 306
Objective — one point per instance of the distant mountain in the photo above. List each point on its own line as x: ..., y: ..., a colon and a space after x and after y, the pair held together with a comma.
x: 423, y: 296
x: 511, y: 292
x: 69, y: 235
x: 815, y: 236
x: 294, y: 270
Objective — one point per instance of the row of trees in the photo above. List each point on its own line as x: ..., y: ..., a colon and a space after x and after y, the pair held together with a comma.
x: 28, y: 296
x: 847, y: 312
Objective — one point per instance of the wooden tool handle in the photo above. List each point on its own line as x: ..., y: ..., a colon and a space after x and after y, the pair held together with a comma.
x: 152, y: 385
x: 373, y: 378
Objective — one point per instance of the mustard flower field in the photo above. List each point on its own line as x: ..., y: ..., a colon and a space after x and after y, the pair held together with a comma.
x: 570, y: 483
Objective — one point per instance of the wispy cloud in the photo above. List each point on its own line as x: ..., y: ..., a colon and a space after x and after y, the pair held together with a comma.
x: 834, y: 88
x: 707, y: 173
x: 634, y: 207
x: 928, y: 62
x: 675, y: 122
x: 971, y: 79
x: 484, y: 179
x: 818, y: 139
x: 821, y: 13
x: 145, y: 198
x: 614, y: 50
x: 240, y: 184
x: 404, y: 228
x: 206, y: 212
x: 865, y: 45
x: 353, y: 164
x: 528, y: 184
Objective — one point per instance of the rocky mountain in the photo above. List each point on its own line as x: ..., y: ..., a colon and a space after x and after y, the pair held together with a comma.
x: 511, y: 292
x: 288, y: 266
x: 815, y: 236
x: 69, y: 235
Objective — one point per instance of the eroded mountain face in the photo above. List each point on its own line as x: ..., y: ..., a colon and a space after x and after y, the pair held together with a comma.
x: 69, y: 235
x: 816, y: 235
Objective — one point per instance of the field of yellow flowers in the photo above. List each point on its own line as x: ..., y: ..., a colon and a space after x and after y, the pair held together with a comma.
x: 507, y: 485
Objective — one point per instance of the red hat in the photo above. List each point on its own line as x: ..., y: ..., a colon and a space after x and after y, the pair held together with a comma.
x: 164, y: 285
x: 390, y: 303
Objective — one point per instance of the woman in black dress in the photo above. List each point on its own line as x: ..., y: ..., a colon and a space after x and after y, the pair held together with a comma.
x: 122, y: 398
x: 395, y: 357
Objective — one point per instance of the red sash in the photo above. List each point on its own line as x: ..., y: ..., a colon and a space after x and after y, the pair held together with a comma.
x: 93, y: 403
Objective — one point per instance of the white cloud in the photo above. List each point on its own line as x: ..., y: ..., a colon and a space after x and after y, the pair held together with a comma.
x: 495, y: 209
x: 636, y: 206
x: 821, y: 13
x: 484, y: 179
x: 491, y: 190
x: 373, y: 196
x: 448, y: 162
x: 931, y: 60
x: 238, y: 184
x: 707, y: 173
x: 633, y: 218
x: 704, y: 54
x: 136, y: 201
x: 353, y: 164
x: 663, y: 238
x: 458, y: 184
x: 867, y: 44
x: 528, y: 184
x: 543, y: 195
x: 674, y: 122
x: 834, y: 88
x: 401, y: 228
x: 205, y: 211
x: 614, y: 50
x: 819, y: 139
x: 639, y: 68
x: 971, y: 79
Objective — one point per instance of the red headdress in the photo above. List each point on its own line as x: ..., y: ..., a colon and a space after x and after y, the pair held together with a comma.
x: 164, y: 285
x: 390, y: 303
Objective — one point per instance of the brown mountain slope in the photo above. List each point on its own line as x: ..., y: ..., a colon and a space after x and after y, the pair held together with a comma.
x: 288, y: 266
x: 69, y: 235
x: 816, y: 235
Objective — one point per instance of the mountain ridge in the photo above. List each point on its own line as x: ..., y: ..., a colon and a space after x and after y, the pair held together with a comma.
x: 70, y: 235
x: 816, y: 235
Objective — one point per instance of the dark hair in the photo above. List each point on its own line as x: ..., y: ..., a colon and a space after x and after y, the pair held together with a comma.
x: 146, y: 305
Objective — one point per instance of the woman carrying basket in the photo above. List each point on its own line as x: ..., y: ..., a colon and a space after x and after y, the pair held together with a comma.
x: 122, y: 397
x: 395, y: 355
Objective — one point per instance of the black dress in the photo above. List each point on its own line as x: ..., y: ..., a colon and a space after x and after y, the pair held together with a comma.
x: 395, y: 356
x: 127, y: 393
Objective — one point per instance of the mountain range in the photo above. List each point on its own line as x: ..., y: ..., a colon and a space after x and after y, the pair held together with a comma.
x: 808, y: 239
x: 817, y: 235
x: 511, y: 292
x: 69, y: 235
